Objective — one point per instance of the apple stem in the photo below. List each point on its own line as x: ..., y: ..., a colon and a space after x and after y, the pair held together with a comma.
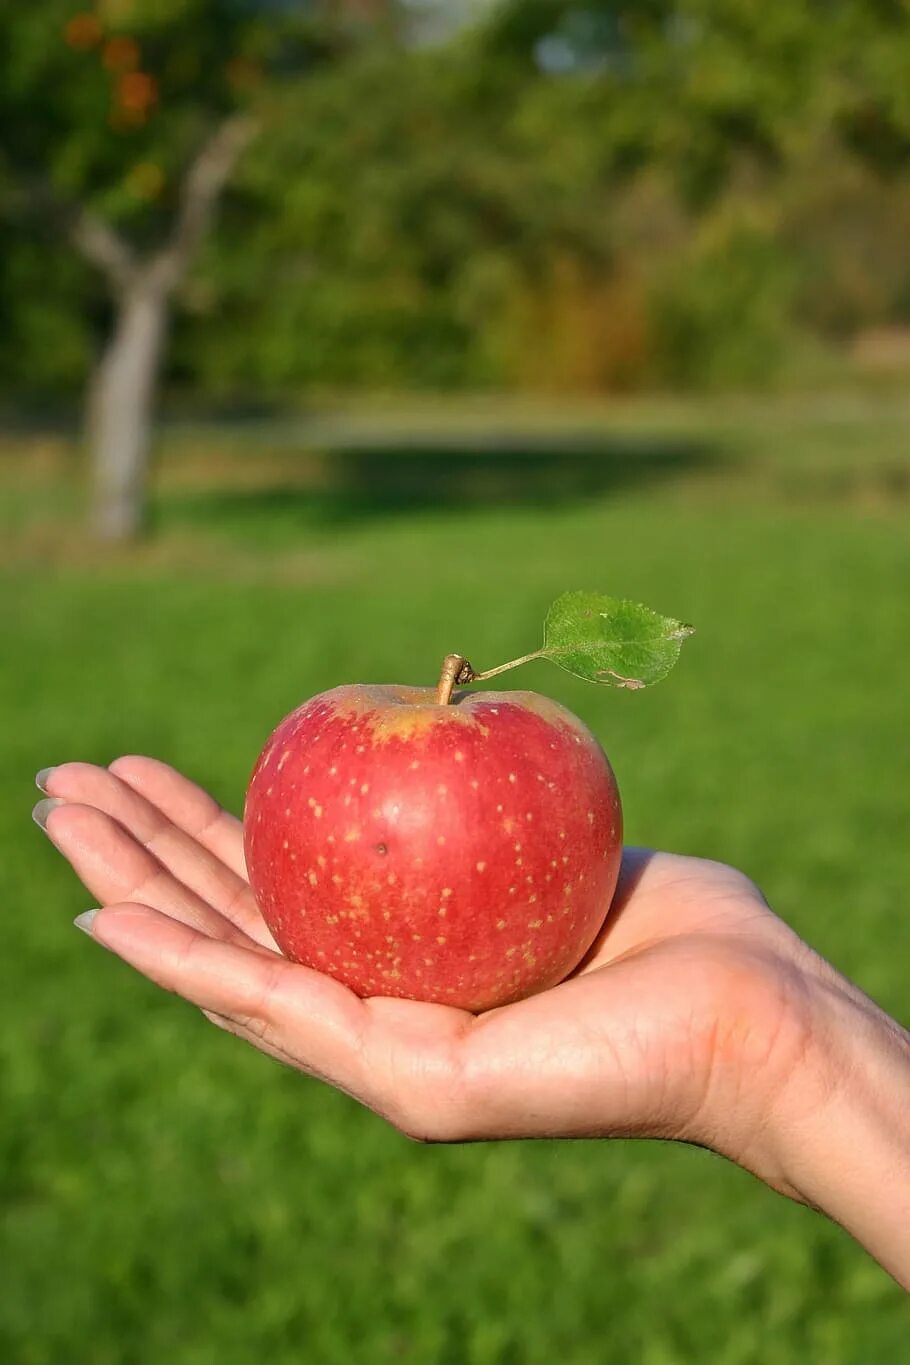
x: 501, y: 668
x: 455, y: 669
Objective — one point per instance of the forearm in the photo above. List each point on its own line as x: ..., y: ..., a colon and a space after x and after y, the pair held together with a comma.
x: 850, y: 1156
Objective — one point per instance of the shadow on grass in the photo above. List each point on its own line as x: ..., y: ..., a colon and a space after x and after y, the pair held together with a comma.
x: 376, y: 479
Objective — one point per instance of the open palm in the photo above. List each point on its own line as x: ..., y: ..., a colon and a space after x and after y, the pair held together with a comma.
x: 693, y: 994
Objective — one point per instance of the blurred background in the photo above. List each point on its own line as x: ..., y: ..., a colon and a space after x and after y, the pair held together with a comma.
x: 334, y: 336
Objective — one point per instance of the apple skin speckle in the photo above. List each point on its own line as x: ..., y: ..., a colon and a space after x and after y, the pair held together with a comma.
x: 440, y: 789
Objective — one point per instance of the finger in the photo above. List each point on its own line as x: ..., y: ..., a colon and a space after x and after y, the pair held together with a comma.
x: 187, y: 806
x: 311, y: 1020
x: 227, y: 1025
x: 398, y: 1057
x: 186, y: 859
x: 115, y: 868
x: 260, y: 1036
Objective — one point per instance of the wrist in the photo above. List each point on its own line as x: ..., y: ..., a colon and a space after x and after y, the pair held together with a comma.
x: 841, y: 1135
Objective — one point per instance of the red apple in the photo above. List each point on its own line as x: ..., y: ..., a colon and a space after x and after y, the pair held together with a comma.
x: 463, y: 853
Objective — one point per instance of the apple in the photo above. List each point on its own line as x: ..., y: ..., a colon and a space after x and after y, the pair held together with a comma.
x: 464, y: 853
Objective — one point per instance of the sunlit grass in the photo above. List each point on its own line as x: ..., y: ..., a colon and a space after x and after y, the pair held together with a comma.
x: 170, y: 1197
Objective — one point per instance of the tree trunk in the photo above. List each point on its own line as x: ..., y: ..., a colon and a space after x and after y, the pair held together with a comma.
x: 120, y: 411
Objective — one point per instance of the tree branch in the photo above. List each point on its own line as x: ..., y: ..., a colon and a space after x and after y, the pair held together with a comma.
x: 201, y: 189
x: 94, y: 238
x: 100, y: 243
x: 102, y: 247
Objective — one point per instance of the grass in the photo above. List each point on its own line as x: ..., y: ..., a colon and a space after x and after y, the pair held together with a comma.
x: 170, y: 1197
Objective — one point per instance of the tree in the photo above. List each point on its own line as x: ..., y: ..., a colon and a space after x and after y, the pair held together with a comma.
x: 123, y: 122
x: 564, y: 193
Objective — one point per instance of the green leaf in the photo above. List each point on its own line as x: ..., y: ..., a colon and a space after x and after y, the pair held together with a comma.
x: 606, y: 640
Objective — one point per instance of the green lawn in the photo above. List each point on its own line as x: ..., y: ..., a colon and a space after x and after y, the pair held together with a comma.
x: 169, y: 1197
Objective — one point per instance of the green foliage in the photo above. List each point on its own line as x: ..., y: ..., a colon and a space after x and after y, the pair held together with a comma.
x: 172, y: 1199
x: 47, y: 305
x: 466, y: 212
x: 402, y: 237
x: 489, y: 222
x: 605, y: 640
x: 106, y: 106
x: 723, y: 307
x: 111, y: 101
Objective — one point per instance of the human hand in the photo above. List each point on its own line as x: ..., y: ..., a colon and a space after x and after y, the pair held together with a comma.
x: 697, y: 1015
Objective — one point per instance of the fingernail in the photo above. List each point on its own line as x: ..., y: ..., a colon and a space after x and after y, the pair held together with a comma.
x: 85, y: 921
x: 43, y: 809
x: 41, y: 779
